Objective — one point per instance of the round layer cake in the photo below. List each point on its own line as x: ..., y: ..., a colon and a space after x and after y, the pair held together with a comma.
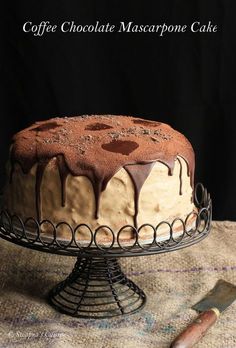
x: 100, y: 170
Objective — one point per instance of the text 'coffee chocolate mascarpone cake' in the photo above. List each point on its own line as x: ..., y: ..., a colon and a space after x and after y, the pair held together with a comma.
x: 100, y: 170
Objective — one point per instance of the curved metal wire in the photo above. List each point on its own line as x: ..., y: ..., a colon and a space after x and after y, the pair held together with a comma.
x: 97, y: 288
x: 178, y: 234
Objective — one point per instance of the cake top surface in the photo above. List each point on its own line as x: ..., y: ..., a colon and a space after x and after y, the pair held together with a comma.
x: 100, y: 144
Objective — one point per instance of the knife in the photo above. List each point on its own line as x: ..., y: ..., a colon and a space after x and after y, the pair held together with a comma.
x: 210, y: 307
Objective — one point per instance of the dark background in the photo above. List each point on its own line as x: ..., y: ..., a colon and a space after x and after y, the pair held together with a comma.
x: 187, y: 80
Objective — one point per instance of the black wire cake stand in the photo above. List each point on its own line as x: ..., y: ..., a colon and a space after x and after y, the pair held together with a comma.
x: 97, y: 287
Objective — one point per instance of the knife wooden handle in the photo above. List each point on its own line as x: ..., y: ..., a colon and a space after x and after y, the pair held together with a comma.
x: 196, y: 330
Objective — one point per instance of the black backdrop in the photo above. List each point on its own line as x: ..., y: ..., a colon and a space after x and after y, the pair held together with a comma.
x: 186, y: 79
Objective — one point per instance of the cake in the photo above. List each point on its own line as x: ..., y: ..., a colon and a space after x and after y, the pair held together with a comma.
x: 100, y: 170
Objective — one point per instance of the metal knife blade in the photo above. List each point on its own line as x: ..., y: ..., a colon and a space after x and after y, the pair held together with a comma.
x: 216, y: 301
x: 220, y: 297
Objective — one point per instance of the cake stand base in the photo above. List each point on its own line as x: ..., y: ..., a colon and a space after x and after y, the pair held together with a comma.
x: 97, y: 288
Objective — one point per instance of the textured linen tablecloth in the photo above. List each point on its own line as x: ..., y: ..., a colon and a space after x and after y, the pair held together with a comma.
x: 172, y: 282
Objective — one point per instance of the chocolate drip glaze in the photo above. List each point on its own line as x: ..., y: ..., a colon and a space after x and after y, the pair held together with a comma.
x: 138, y: 174
x: 63, y: 172
x: 97, y: 188
x: 97, y: 147
x: 180, y: 177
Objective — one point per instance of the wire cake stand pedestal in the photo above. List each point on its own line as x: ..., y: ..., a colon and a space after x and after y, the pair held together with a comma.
x: 97, y: 287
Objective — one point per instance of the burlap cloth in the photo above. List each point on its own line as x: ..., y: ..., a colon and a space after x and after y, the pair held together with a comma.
x: 172, y: 282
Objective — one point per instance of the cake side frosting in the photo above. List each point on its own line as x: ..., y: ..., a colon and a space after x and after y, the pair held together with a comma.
x: 97, y: 147
x: 159, y: 200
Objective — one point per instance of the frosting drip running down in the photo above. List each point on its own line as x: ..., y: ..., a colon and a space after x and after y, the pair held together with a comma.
x: 97, y: 147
